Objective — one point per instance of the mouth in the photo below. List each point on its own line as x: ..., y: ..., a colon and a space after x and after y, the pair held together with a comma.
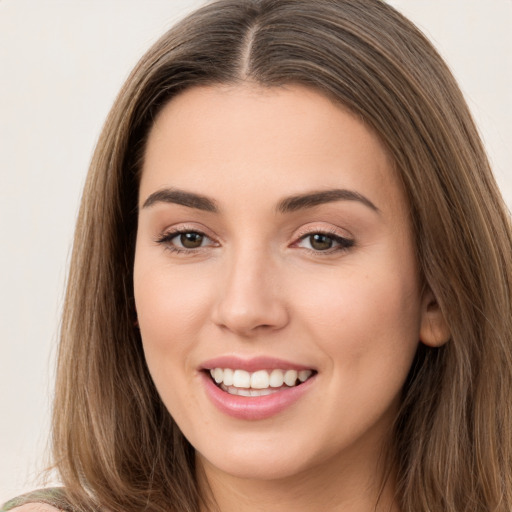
x: 258, y: 383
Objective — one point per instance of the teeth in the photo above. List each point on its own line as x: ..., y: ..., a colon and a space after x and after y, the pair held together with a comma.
x: 241, y: 379
x: 218, y: 375
x: 290, y: 377
x: 228, y: 377
x: 303, y: 375
x: 248, y: 392
x: 259, y: 380
x: 276, y: 378
x: 257, y: 383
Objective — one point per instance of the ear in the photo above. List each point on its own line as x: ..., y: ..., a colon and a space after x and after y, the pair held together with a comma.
x: 434, y: 331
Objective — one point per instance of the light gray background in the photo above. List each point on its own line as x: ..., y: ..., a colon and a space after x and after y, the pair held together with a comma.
x: 61, y: 65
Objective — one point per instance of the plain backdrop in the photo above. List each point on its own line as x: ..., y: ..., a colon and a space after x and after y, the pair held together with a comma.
x: 61, y: 65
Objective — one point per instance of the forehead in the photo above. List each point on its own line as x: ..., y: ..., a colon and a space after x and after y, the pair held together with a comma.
x: 263, y: 142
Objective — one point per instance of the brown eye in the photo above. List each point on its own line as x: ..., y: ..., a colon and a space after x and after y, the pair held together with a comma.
x: 185, y: 242
x: 325, y: 242
x: 191, y: 240
x: 320, y: 242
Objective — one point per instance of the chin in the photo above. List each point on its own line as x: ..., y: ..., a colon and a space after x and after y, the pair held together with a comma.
x: 247, y: 468
x: 258, y: 459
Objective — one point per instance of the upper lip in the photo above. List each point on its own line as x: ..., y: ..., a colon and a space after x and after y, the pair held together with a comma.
x: 252, y: 364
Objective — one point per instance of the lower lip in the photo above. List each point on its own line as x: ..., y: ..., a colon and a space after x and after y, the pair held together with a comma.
x: 256, y: 407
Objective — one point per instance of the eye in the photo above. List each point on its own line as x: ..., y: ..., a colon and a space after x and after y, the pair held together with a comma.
x: 190, y: 240
x: 184, y: 240
x: 324, y: 242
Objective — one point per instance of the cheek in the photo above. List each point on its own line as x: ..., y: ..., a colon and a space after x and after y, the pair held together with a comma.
x: 171, y: 308
x: 369, y: 334
x: 368, y: 325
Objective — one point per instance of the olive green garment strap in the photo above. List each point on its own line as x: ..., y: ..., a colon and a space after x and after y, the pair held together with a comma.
x: 55, y: 496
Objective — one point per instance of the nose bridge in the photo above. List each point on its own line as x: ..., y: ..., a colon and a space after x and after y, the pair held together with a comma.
x: 250, y: 297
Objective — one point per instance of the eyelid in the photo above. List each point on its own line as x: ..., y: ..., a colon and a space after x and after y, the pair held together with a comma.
x: 344, y: 241
x: 185, y: 227
x: 165, y: 236
x: 327, y: 229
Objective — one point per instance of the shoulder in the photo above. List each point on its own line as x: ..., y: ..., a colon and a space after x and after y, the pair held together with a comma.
x: 43, y: 500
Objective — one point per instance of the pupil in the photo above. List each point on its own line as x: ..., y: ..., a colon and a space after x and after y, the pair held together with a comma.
x: 191, y: 240
x: 321, y: 242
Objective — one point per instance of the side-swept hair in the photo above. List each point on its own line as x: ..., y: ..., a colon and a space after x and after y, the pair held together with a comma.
x: 115, y: 445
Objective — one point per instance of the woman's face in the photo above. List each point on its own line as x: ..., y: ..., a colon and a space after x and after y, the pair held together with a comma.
x: 274, y: 251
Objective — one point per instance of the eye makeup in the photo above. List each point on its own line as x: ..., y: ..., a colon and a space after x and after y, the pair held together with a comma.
x: 190, y: 241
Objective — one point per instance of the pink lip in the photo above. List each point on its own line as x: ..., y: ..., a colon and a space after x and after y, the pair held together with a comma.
x: 252, y: 365
x: 253, y: 408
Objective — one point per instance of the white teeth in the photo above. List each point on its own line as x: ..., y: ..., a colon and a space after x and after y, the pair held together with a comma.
x: 248, y: 392
x: 303, y: 375
x: 228, y: 377
x: 276, y: 378
x: 257, y: 383
x: 218, y: 375
x: 260, y: 392
x: 259, y: 380
x: 290, y: 377
x: 241, y: 379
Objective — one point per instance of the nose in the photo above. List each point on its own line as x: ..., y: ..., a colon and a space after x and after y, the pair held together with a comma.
x: 250, y: 299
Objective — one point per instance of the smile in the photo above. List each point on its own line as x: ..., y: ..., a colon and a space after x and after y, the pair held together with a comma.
x: 258, y: 383
x: 257, y: 388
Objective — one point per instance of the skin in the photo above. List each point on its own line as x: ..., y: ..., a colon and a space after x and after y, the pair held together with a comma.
x: 258, y: 286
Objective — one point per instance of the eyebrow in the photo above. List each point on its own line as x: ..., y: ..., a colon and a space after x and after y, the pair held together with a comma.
x: 176, y: 196
x: 312, y: 199
x: 287, y: 205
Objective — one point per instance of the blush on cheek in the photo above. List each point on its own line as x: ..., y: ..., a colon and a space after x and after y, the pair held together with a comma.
x: 170, y: 308
x: 370, y: 320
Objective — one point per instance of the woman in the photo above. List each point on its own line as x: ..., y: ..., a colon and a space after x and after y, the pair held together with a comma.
x: 291, y: 278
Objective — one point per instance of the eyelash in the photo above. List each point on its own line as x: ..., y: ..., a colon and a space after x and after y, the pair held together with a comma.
x: 343, y: 243
x: 166, y: 240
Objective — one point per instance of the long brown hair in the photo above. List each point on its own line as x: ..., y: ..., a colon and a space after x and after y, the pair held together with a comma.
x: 115, y: 444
